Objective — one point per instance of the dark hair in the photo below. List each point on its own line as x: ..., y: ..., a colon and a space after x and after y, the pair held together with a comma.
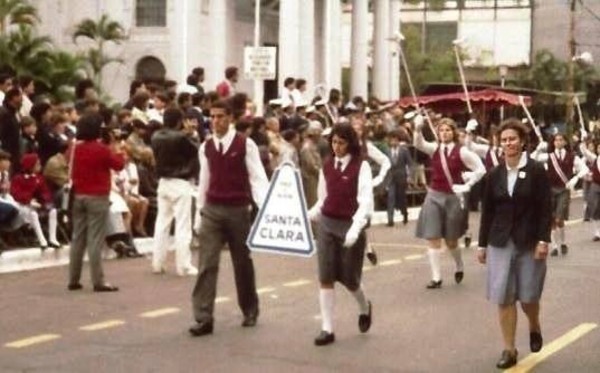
x: 172, y: 117
x: 163, y: 97
x: 288, y: 81
x: 183, y: 97
x: 25, y: 80
x: 170, y: 83
x: 515, y: 125
x: 230, y: 72
x: 300, y: 83
x: 243, y: 124
x: 198, y: 71
x: 551, y: 147
x: 222, y: 104
x: 192, y: 79
x: 289, y: 134
x: 197, y: 98
x: 38, y: 110
x: 89, y: 127
x: 4, y: 155
x: 400, y: 134
x: 237, y: 102
x: 4, y: 77
x: 346, y: 132
x: 134, y: 85
x: 335, y: 95
x: 139, y: 99
x: 82, y: 86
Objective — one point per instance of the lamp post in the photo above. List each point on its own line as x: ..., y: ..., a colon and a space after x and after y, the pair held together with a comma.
x: 503, y: 69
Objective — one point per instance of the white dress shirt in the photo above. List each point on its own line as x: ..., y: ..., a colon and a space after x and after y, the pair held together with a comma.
x: 259, y: 184
x: 579, y: 165
x: 381, y: 159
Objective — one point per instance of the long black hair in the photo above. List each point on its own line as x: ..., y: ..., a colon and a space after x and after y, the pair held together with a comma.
x: 346, y: 132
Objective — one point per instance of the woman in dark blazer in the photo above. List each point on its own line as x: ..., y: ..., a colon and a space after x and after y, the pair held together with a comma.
x: 513, y: 237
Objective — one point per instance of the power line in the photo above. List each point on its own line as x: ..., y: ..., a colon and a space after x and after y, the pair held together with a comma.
x: 589, y: 10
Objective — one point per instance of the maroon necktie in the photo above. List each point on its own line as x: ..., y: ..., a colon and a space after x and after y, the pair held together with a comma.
x: 338, y: 166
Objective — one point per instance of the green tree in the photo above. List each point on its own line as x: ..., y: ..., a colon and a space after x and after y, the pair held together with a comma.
x: 101, y: 32
x: 16, y: 12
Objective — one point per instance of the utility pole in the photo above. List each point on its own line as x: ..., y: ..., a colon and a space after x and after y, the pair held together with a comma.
x: 571, y: 68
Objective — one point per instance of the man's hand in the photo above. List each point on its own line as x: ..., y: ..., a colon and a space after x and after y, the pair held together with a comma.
x: 541, y: 251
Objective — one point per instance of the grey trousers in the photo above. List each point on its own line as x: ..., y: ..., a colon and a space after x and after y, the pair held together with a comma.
x: 89, y: 216
x: 220, y: 225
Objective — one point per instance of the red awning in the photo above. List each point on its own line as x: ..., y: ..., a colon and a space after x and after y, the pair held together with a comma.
x: 453, y: 102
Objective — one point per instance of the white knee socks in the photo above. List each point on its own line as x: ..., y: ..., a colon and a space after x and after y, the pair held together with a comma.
x: 37, y: 228
x: 359, y: 295
x: 561, y: 236
x: 327, y: 301
x: 457, y: 255
x: 52, y: 224
x: 434, y: 263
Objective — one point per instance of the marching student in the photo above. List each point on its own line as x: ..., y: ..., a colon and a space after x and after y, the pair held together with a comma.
x: 513, y: 238
x: 594, y: 188
x: 231, y: 177
x: 443, y: 212
x: 561, y: 163
x: 345, y: 197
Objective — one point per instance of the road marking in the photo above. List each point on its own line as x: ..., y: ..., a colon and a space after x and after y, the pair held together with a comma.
x: 160, y: 312
x: 571, y: 336
x: 32, y: 340
x: 222, y: 299
x: 390, y: 262
x: 294, y: 284
x: 393, y: 244
x: 414, y: 257
x: 102, y: 325
x: 573, y: 222
x: 265, y: 290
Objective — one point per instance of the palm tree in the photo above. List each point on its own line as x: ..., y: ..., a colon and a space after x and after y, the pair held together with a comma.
x: 101, y: 32
x: 16, y: 12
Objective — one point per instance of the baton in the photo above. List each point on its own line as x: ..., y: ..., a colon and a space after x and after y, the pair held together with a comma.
x: 536, y: 129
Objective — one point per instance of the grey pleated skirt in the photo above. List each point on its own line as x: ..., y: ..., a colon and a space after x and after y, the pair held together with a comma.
x: 594, y: 200
x: 561, y: 198
x: 441, y: 216
x: 514, y: 275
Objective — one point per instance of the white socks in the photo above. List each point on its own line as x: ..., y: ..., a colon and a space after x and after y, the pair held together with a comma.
x: 363, y: 305
x: 52, y: 225
x: 434, y: 263
x: 37, y: 228
x: 327, y: 301
x: 553, y: 235
x: 457, y: 255
x: 596, y: 228
x: 561, y: 236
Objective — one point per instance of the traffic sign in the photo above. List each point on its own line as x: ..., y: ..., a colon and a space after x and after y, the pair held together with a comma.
x: 282, y: 224
x: 260, y: 63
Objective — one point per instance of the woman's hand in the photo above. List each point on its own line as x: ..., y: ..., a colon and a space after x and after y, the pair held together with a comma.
x: 541, y: 250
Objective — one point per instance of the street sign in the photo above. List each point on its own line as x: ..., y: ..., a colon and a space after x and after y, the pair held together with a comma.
x: 260, y: 63
x: 282, y: 224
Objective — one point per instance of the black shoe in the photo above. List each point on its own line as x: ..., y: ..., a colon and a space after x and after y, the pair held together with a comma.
x: 535, y: 341
x: 364, y: 320
x: 458, y: 276
x: 54, y: 245
x: 372, y: 256
x: 249, y: 321
x: 390, y: 224
x: 120, y: 248
x: 405, y: 219
x: 133, y: 253
x: 434, y: 284
x: 201, y: 328
x: 554, y: 252
x: 324, y: 338
x: 596, y: 238
x: 564, y: 249
x: 507, y: 360
x: 73, y: 287
x: 104, y: 288
x: 467, y: 241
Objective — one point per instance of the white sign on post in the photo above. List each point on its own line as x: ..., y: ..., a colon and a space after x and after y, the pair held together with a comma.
x: 260, y: 63
x: 282, y: 224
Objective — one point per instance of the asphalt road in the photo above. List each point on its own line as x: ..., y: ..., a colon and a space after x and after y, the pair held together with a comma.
x: 143, y: 328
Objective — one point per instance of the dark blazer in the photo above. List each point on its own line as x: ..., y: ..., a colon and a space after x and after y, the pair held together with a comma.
x: 400, y: 165
x: 525, y: 217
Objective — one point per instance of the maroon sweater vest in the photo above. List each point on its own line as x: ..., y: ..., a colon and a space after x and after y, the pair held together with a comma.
x: 488, y: 162
x: 439, y: 181
x: 567, y: 168
x: 595, y: 172
x: 228, y: 184
x: 342, y: 189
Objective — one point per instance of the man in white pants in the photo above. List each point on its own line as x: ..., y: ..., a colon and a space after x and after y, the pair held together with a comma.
x: 176, y: 165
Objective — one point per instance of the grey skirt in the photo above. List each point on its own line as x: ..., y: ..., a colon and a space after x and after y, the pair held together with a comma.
x: 514, y: 275
x: 594, y: 200
x: 561, y: 198
x: 442, y: 216
x: 336, y: 262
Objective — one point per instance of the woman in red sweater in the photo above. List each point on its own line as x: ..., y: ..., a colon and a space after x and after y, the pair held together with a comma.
x: 92, y: 163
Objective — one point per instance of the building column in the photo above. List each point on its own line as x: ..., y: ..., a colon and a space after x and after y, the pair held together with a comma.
x: 306, y: 51
x: 394, y: 59
x: 332, y: 41
x: 289, y: 37
x: 381, y: 50
x: 359, y: 49
x: 219, y: 27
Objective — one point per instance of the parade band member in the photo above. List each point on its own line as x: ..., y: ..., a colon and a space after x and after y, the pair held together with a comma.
x: 443, y: 212
x: 175, y: 154
x: 92, y: 164
x: 513, y: 238
x: 231, y: 176
x: 594, y: 188
x: 345, y: 195
x: 561, y: 162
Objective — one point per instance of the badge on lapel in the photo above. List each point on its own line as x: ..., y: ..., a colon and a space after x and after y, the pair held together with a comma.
x: 522, y: 174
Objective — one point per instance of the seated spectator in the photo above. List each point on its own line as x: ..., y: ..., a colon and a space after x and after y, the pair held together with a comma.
x: 29, y: 142
x: 56, y: 173
x: 138, y: 204
x: 31, y: 192
x: 9, y: 213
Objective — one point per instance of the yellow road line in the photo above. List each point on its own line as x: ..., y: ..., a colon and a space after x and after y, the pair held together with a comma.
x: 222, y: 299
x: 102, y: 325
x: 160, y: 312
x: 265, y: 290
x: 561, y: 342
x: 414, y: 257
x: 293, y: 284
x: 32, y: 340
x: 390, y: 262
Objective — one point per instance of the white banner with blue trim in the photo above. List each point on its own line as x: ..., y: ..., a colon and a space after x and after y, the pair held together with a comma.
x: 282, y: 225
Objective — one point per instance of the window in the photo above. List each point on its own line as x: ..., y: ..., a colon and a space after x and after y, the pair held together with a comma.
x: 151, y: 13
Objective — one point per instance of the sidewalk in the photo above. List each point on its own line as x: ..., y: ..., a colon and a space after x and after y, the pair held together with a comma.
x: 33, y: 258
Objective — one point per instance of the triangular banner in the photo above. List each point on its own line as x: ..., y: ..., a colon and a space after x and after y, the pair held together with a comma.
x: 282, y: 224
